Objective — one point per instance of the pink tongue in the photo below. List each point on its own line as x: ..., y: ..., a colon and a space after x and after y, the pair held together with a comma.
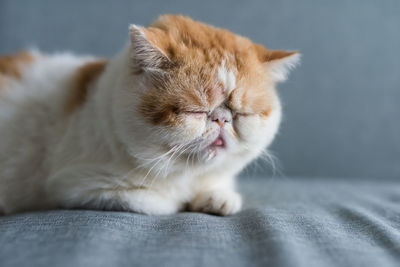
x: 218, y: 142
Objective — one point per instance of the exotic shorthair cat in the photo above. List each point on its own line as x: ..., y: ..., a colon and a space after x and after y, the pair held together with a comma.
x: 163, y: 126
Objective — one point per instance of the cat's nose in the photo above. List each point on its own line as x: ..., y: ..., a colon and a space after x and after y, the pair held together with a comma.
x: 221, y: 116
x: 220, y: 121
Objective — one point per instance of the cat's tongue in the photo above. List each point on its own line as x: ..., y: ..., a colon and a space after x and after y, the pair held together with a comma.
x: 218, y: 142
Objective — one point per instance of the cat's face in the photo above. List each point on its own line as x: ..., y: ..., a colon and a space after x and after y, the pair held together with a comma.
x: 205, y: 93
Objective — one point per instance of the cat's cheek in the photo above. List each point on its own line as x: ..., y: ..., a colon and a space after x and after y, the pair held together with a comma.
x: 192, y: 127
x: 248, y: 128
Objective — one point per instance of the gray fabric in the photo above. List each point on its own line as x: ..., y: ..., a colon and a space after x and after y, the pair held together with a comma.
x: 342, y: 103
x: 286, y: 222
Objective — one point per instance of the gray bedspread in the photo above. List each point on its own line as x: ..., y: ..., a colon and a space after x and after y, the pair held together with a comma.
x: 286, y: 222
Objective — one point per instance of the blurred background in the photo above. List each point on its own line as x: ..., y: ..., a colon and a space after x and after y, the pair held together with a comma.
x: 341, y: 106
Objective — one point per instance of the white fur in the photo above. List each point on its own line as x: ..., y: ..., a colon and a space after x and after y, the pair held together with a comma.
x: 104, y: 156
x: 227, y: 78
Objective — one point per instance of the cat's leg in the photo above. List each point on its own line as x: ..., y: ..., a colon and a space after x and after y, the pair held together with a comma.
x: 217, y: 195
x: 86, y: 186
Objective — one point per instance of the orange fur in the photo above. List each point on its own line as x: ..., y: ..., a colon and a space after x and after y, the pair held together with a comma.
x: 196, y: 51
x: 82, y: 79
x: 10, y: 65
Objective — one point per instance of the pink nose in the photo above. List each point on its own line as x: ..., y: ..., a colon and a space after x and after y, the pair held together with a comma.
x: 221, y: 120
x: 221, y: 116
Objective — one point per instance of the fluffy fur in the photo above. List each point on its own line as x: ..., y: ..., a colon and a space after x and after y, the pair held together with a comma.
x: 163, y: 126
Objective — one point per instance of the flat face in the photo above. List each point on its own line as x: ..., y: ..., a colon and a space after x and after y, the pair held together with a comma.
x: 211, y: 86
x: 210, y: 66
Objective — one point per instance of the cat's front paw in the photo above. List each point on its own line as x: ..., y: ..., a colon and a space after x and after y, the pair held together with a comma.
x: 218, y: 202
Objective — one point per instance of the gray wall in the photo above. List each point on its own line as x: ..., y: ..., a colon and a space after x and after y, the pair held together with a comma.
x: 342, y: 114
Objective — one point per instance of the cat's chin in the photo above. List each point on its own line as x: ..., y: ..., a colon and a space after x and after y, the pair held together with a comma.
x: 214, y: 152
x: 209, y: 156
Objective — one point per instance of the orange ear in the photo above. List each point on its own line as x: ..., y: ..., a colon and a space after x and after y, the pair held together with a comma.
x: 277, y: 62
x: 271, y: 55
x: 146, y: 55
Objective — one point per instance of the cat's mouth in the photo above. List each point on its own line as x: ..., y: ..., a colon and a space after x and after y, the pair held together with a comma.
x: 219, y: 142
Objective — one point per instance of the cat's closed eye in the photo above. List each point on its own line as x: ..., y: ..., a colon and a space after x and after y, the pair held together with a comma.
x: 237, y: 113
x: 199, y: 114
x: 196, y: 112
x: 245, y: 114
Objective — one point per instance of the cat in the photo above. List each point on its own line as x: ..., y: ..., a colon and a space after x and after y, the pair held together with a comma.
x: 162, y: 127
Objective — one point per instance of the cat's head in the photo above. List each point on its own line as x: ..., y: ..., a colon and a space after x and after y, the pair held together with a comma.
x: 200, y: 93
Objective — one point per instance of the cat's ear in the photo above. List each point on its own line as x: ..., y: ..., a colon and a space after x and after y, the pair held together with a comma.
x: 147, y: 56
x: 278, y: 63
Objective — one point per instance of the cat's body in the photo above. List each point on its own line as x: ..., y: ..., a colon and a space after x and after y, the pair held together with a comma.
x: 167, y: 123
